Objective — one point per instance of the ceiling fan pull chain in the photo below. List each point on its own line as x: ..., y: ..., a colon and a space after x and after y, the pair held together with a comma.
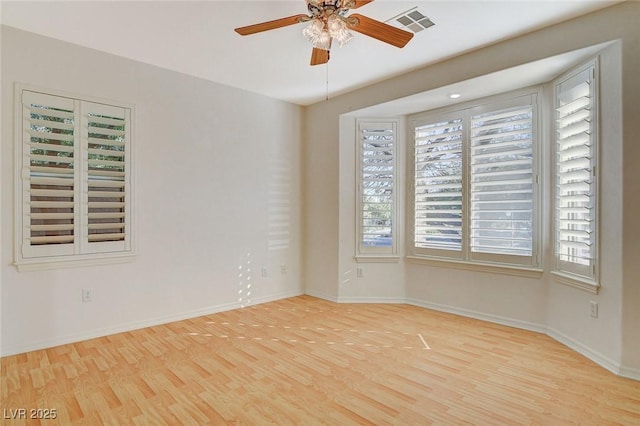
x: 327, y: 96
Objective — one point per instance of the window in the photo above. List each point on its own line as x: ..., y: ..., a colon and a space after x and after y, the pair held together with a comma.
x: 74, y: 176
x: 475, y: 183
x: 377, y: 188
x: 502, y: 182
x: 438, y: 186
x: 576, y: 179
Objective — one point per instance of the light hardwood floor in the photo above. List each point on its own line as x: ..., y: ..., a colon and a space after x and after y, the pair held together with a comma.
x: 306, y: 361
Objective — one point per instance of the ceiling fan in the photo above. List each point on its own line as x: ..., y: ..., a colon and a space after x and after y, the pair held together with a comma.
x: 328, y: 21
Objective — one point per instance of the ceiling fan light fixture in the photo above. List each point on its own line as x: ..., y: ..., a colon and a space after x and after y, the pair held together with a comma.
x: 317, y: 33
x: 338, y: 30
x: 321, y: 31
x: 323, y: 42
x: 312, y: 31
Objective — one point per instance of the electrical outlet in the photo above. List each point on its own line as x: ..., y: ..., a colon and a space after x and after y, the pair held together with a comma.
x: 594, y: 309
x: 360, y: 272
x: 264, y: 272
x: 283, y: 269
x: 87, y: 295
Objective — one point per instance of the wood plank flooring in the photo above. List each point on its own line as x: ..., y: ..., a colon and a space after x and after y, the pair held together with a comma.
x: 306, y: 361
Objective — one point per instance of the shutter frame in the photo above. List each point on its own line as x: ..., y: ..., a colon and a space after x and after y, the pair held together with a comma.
x: 576, y: 195
x: 100, y: 139
x: 376, y: 190
x: 502, y: 181
x: 66, y: 202
x: 439, y: 199
x: 51, y: 234
x: 524, y: 98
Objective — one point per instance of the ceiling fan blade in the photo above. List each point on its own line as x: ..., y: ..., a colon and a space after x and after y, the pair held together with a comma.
x: 380, y: 30
x: 359, y: 3
x: 271, y: 25
x: 319, y: 56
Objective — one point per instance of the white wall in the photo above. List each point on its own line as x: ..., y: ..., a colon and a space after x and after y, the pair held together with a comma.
x: 538, y: 302
x: 320, y: 201
x: 631, y: 192
x: 213, y: 165
x: 569, y: 317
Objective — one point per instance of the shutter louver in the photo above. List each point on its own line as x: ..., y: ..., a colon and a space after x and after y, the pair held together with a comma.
x: 106, y: 151
x: 49, y: 126
x: 502, y: 182
x: 438, y: 185
x: 575, y: 204
x: 378, y: 175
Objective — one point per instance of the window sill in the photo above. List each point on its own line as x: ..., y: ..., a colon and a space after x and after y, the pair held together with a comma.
x: 520, y: 271
x: 63, y: 262
x: 377, y: 259
x: 576, y: 282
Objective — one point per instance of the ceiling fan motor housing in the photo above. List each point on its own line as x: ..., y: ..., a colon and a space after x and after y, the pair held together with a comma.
x: 318, y: 8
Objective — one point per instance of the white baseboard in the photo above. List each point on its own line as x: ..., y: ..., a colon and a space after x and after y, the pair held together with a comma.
x: 586, y: 351
x: 136, y: 325
x: 630, y: 373
x: 539, y: 328
x: 357, y: 299
x: 354, y: 299
x: 277, y: 296
x: 321, y: 295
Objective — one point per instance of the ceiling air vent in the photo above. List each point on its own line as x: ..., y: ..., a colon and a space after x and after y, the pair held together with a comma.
x: 412, y: 20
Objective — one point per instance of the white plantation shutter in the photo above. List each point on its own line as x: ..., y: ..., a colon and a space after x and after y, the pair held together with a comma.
x: 106, y: 131
x: 575, y: 191
x: 377, y: 186
x: 502, y: 181
x: 49, y: 174
x: 438, y: 205
x: 74, y: 178
x: 476, y: 182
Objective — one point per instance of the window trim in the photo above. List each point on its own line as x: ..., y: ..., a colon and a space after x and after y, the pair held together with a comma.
x: 493, y: 268
x: 591, y: 282
x: 465, y: 259
x: 58, y: 261
x: 378, y: 254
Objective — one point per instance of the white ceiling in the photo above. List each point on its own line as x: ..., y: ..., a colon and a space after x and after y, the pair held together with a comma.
x: 197, y: 38
x: 530, y: 74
